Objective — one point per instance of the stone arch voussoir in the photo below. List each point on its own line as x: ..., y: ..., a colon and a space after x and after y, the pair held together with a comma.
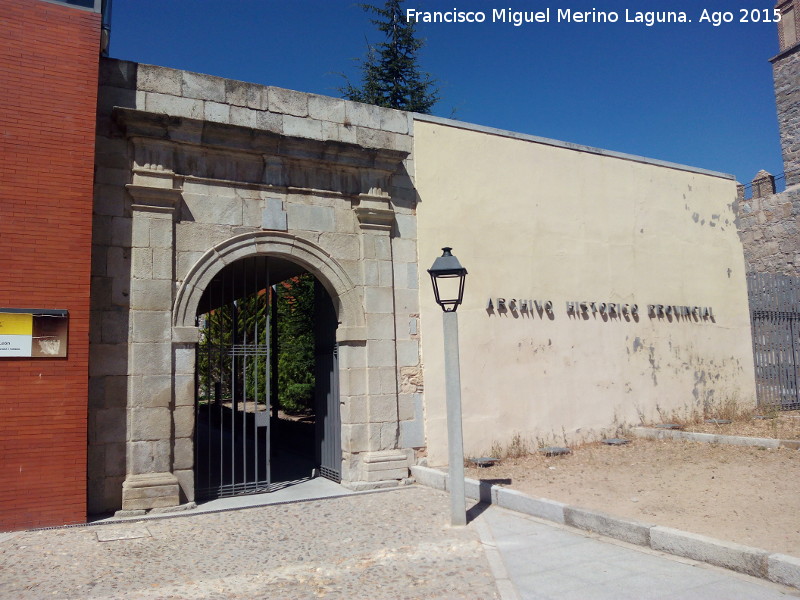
x: 344, y: 293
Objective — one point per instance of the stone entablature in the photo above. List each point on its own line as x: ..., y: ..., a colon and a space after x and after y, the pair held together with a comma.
x: 195, y: 171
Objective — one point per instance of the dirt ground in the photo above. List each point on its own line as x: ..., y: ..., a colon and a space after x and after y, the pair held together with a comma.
x: 746, y: 495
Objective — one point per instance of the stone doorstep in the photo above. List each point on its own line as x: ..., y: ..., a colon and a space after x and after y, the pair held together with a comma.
x: 775, y: 567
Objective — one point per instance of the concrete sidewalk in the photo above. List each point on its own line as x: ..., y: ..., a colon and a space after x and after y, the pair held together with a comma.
x: 538, y: 560
x: 384, y: 545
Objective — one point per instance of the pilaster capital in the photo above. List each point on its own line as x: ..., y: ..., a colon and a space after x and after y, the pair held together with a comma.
x: 375, y: 212
x: 154, y: 199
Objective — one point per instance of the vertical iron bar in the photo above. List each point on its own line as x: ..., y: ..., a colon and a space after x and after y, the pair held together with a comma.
x: 271, y: 335
x: 244, y: 295
x: 256, y: 320
x: 234, y: 324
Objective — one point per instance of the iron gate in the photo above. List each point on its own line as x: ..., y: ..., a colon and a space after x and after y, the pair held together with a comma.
x: 233, y: 404
x: 775, y: 318
x: 243, y: 443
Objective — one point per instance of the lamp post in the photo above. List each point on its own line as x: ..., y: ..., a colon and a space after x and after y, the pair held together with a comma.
x: 447, y: 276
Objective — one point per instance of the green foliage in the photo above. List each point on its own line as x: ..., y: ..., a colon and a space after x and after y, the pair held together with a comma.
x: 296, y: 343
x: 243, y: 322
x: 226, y: 377
x: 390, y: 76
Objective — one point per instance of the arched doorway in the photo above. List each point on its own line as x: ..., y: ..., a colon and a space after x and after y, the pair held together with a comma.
x: 267, y: 393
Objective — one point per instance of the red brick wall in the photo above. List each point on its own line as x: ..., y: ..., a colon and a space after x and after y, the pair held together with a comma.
x: 48, y: 90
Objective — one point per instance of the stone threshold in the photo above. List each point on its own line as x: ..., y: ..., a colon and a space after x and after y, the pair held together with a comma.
x: 775, y: 567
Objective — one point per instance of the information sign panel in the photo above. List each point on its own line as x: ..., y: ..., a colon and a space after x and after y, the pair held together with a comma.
x: 33, y: 333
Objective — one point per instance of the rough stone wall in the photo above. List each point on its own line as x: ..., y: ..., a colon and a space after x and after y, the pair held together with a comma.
x: 769, y: 228
x: 224, y: 194
x: 48, y: 86
x: 786, y: 73
x: 769, y: 223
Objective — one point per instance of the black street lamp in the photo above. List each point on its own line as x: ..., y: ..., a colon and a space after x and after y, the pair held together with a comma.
x: 447, y: 267
x: 448, y: 272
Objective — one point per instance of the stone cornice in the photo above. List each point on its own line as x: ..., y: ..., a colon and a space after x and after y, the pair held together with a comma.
x: 194, y: 132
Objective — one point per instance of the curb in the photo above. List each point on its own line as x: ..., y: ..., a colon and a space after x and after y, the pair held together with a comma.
x: 774, y: 567
x: 712, y: 438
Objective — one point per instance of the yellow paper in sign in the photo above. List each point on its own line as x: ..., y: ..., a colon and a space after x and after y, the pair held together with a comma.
x: 16, y: 324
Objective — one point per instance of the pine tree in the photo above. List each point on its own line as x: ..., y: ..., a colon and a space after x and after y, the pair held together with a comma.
x: 390, y: 76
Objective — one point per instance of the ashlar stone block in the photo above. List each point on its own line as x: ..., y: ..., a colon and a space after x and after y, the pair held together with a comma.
x: 394, y: 120
x: 184, y: 390
x: 408, y: 353
x: 162, y: 263
x: 150, y: 326
x: 109, y: 425
x: 407, y: 301
x: 151, y: 78
x: 288, y: 102
x: 380, y: 326
x: 302, y: 127
x: 378, y: 300
x: 340, y: 245
x: 150, y: 359
x: 355, y: 410
x: 381, y: 353
x: 218, y: 210
x: 385, y: 274
x: 355, y: 382
x: 382, y: 408
x: 183, y: 418
x: 108, y: 359
x: 269, y: 121
x: 274, y: 216
x: 243, y: 116
x: 150, y: 424
x: 204, y: 87
x: 404, y: 250
x: 173, y: 105
x: 150, y: 391
x: 412, y: 434
x: 114, y: 327
x: 114, y: 456
x: 326, y: 109
x: 310, y: 218
x: 239, y: 93
x: 355, y: 437
x: 406, y: 227
x: 161, y: 231
x: 151, y: 294
x: 362, y: 115
x: 383, y: 250
x: 216, y: 112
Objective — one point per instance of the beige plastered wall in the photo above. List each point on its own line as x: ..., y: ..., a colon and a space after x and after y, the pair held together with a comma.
x: 530, y: 220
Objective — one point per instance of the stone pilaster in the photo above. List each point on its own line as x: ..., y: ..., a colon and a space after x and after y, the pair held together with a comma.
x: 381, y: 463
x: 150, y: 482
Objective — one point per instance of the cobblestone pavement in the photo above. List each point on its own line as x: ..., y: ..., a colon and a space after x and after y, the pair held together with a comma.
x: 391, y: 545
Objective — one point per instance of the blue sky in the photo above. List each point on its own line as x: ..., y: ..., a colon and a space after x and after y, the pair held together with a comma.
x: 688, y: 93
